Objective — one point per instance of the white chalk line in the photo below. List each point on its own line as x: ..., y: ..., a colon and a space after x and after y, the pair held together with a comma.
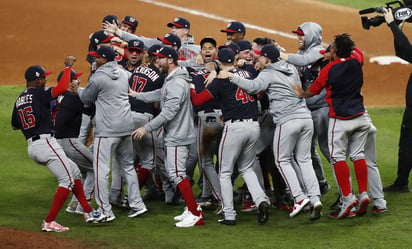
x: 218, y: 18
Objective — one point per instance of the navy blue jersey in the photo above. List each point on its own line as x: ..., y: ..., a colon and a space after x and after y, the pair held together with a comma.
x: 31, y: 113
x: 145, y: 79
x: 69, y: 115
x: 250, y: 68
x: 198, y: 79
x: 343, y: 80
x: 235, y: 102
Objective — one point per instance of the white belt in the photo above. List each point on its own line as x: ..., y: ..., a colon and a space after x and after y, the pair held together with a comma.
x: 240, y: 120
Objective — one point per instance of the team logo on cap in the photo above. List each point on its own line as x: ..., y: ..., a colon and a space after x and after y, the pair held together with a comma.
x: 136, y: 43
x: 176, y: 19
x: 132, y: 19
x: 37, y: 74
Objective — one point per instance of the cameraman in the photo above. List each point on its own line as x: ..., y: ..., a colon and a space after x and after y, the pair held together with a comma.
x: 403, y: 49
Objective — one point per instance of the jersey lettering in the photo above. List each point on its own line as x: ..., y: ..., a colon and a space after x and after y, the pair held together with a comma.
x: 243, y: 96
x: 138, y: 81
x: 25, y: 99
x: 27, y: 118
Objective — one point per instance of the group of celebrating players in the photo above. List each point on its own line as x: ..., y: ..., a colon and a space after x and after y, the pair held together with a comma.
x: 157, y: 107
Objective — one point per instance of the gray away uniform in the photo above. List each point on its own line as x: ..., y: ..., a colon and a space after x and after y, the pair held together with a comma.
x: 294, y: 127
x: 108, y: 89
x: 306, y: 62
x: 176, y: 118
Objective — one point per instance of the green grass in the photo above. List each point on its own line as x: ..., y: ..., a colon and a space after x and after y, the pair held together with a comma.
x: 27, y: 190
x: 362, y: 4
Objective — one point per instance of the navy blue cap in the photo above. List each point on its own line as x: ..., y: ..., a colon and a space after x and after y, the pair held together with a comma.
x: 171, y: 39
x: 269, y: 51
x: 35, y: 72
x: 244, y: 45
x: 135, y: 44
x: 226, y: 55
x: 111, y: 19
x: 234, y: 27
x: 154, y: 49
x: 179, y: 22
x: 131, y: 21
x: 99, y: 37
x: 233, y: 46
x: 104, y: 52
x: 167, y: 52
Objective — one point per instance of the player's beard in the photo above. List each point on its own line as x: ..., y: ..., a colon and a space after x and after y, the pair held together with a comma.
x: 164, y: 67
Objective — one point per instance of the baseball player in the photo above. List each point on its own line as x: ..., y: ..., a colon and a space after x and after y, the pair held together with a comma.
x: 374, y: 177
x: 209, y: 128
x: 181, y: 27
x: 308, y: 60
x: 235, y: 31
x: 129, y: 24
x: 108, y: 90
x: 240, y: 134
x: 176, y: 117
x: 31, y: 115
x: 134, y: 53
x: 348, y: 124
x: 145, y: 79
x: 67, y: 126
x: 293, y: 122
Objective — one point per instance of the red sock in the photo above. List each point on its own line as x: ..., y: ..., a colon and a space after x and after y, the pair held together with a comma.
x: 185, y: 189
x: 81, y: 197
x: 342, y: 174
x: 361, y: 171
x: 143, y: 175
x: 59, y: 199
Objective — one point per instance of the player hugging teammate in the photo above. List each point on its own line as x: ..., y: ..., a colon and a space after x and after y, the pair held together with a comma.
x: 143, y: 93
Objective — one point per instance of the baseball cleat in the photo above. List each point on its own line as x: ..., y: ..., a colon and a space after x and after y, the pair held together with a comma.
x: 182, y: 216
x: 190, y: 220
x: 316, y: 211
x: 136, y: 212
x: 71, y: 208
x: 348, y: 203
x: 324, y: 188
x: 227, y: 222
x: 378, y: 210
x: 363, y: 204
x: 219, y: 209
x: 91, y: 216
x: 103, y: 218
x: 53, y: 226
x: 186, y: 212
x: 263, y: 213
x: 79, y: 210
x: 297, y: 208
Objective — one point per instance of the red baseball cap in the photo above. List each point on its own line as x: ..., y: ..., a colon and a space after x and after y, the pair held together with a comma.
x: 299, y: 31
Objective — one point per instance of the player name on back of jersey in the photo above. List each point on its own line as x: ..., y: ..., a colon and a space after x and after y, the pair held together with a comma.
x: 243, y: 74
x: 25, y: 99
x: 153, y: 75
